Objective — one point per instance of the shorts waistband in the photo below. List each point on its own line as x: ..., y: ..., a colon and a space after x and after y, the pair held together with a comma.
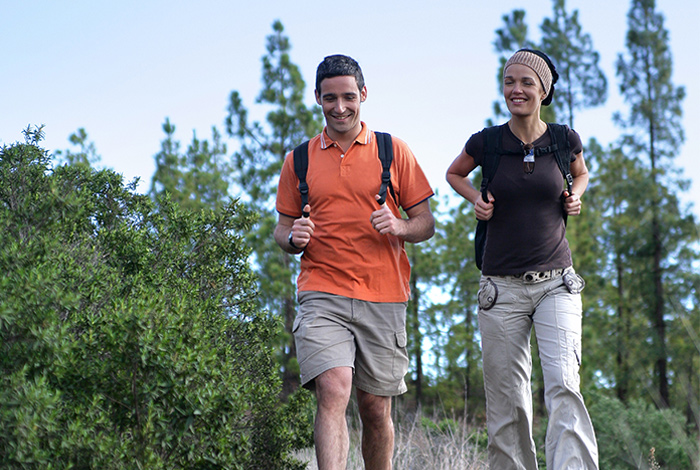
x: 533, y: 277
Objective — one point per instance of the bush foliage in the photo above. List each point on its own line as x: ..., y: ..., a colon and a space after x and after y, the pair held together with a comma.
x: 129, y: 336
x: 638, y: 435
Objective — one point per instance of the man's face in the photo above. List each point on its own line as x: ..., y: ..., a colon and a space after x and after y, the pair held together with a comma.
x: 340, y: 100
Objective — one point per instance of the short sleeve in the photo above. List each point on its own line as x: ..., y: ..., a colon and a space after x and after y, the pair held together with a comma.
x: 575, y: 143
x: 288, y: 198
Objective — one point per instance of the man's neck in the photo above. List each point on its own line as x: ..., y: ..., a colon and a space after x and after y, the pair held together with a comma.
x: 346, y: 139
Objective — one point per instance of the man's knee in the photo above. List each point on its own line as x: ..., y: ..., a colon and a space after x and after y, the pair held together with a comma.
x: 333, y: 387
x: 374, y: 410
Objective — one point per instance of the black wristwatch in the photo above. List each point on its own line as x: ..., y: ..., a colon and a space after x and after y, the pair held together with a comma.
x: 291, y: 242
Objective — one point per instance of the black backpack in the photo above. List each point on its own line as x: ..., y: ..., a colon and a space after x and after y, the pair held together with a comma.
x: 386, y: 156
x: 492, y: 156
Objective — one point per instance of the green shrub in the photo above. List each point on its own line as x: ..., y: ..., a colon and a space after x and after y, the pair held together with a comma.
x: 129, y: 335
x: 638, y: 436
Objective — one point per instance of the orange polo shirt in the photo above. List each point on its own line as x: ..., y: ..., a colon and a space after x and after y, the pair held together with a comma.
x: 346, y: 256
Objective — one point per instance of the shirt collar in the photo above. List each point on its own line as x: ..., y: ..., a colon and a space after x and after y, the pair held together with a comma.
x: 363, y: 138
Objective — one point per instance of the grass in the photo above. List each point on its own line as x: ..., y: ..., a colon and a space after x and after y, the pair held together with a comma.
x: 423, y: 444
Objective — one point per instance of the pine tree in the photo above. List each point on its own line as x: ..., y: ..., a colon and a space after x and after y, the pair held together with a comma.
x: 655, y: 131
x: 425, y: 268
x: 86, y: 154
x: 197, y: 179
x: 582, y: 83
x: 509, y: 38
x: 257, y: 165
x: 454, y: 322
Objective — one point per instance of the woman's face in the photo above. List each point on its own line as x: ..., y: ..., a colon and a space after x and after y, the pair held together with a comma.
x: 522, y: 90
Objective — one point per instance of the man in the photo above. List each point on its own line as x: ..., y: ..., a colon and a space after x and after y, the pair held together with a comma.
x: 354, y: 279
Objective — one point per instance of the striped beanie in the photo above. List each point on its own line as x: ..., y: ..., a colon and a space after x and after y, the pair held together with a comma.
x: 536, y: 63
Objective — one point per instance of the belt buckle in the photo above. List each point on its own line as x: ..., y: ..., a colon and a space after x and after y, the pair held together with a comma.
x: 533, y: 277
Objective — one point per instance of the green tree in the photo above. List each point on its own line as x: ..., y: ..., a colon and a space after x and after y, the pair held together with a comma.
x: 86, y: 154
x: 257, y: 165
x: 618, y: 189
x: 452, y: 320
x: 655, y: 131
x: 582, y: 83
x: 420, y: 324
x: 509, y: 38
x: 129, y: 334
x: 584, y: 233
x: 580, y: 78
x: 199, y: 178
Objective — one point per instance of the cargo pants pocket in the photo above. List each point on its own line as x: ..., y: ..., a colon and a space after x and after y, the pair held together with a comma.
x: 488, y: 294
x: 573, y: 282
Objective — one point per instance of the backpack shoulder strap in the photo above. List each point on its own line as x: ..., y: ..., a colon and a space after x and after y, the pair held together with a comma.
x: 492, y: 157
x: 559, y: 137
x: 301, y: 164
x: 386, y: 156
x: 558, y: 134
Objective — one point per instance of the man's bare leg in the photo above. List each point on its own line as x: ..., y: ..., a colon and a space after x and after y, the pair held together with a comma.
x: 333, y: 389
x: 377, y: 430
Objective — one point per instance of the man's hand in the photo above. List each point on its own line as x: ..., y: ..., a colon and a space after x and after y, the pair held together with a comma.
x: 385, y: 222
x: 303, y: 229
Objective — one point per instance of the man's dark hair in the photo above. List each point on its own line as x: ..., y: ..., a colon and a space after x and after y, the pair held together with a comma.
x: 339, y: 66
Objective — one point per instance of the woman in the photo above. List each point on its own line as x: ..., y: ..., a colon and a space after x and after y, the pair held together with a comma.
x: 527, y: 276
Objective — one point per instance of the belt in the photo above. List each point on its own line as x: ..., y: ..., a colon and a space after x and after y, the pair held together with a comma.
x: 533, y: 277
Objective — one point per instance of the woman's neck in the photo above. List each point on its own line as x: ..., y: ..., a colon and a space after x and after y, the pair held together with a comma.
x: 527, y: 130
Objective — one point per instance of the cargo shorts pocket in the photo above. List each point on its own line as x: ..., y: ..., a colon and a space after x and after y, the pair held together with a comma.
x: 400, y: 366
x: 488, y: 294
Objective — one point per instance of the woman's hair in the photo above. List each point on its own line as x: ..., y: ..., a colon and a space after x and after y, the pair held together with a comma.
x: 339, y: 66
x: 542, y: 65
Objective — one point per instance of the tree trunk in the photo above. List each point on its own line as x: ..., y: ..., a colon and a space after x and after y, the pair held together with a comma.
x: 417, y: 340
x: 659, y: 323
x: 290, y: 376
x: 467, y: 351
x: 622, y: 380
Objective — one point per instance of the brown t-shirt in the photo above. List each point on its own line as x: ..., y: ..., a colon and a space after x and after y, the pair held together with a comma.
x: 527, y: 230
x: 346, y: 256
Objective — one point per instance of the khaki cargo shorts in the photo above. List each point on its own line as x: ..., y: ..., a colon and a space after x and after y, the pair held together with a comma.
x: 334, y: 331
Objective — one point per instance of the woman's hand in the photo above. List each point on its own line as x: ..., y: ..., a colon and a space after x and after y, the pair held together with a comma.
x: 483, y: 209
x: 572, y: 203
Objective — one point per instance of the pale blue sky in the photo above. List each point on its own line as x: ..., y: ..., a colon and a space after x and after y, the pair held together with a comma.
x: 118, y: 69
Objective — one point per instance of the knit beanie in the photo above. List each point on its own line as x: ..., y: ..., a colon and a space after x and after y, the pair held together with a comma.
x: 536, y: 63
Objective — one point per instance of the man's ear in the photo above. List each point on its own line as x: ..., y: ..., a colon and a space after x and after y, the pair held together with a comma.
x: 363, y: 94
x: 318, y: 97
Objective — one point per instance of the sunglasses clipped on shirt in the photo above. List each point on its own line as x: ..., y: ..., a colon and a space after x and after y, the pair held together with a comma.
x: 529, y: 159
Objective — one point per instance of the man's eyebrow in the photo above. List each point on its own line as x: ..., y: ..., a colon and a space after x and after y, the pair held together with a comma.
x: 332, y: 95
